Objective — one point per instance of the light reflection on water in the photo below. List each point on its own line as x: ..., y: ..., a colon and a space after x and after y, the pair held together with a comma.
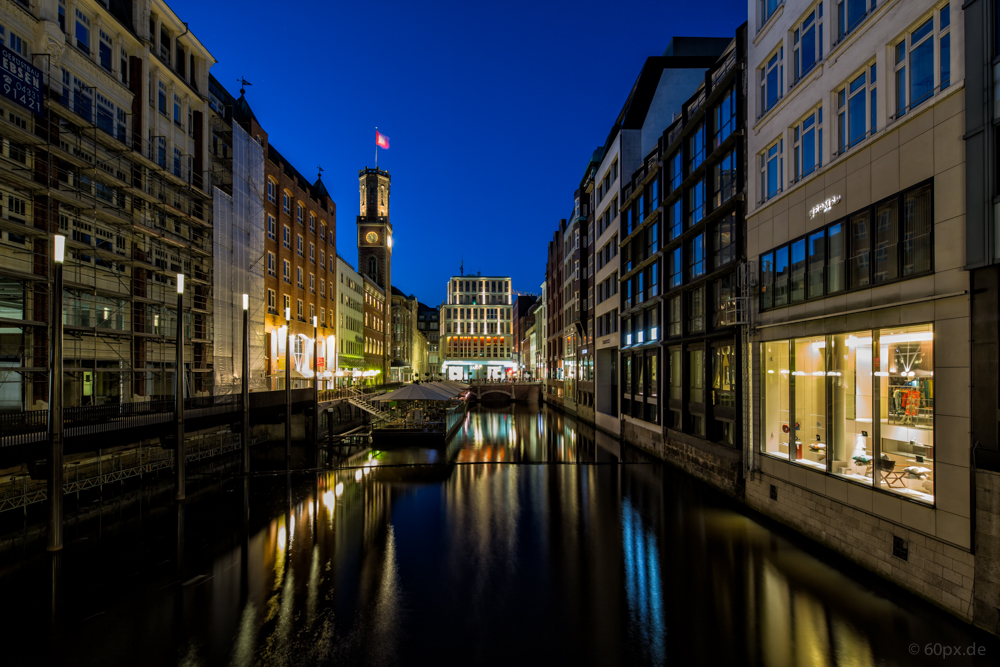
x: 643, y: 585
x: 490, y: 555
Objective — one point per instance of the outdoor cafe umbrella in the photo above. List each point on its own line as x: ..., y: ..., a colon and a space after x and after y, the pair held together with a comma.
x: 452, y: 390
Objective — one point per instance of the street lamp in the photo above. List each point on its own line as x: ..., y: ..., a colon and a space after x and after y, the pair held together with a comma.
x: 288, y: 390
x: 55, y: 485
x: 179, y: 390
x: 315, y: 423
x: 246, y: 383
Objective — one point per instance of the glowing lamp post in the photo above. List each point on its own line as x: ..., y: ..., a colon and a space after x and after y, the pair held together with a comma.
x: 246, y: 383
x: 315, y: 420
x: 288, y: 390
x: 55, y: 481
x: 179, y: 391
x: 315, y: 424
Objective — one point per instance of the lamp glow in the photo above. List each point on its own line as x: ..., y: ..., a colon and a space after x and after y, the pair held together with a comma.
x: 246, y: 302
x: 288, y: 313
x: 180, y: 283
x: 60, y: 248
x: 315, y: 321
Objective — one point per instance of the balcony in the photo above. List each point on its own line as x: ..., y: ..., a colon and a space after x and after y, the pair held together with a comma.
x: 720, y: 74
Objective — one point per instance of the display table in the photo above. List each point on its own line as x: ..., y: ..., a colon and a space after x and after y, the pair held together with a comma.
x: 894, y: 478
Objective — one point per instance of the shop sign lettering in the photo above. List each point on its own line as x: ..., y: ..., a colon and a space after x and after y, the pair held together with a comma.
x: 824, y: 206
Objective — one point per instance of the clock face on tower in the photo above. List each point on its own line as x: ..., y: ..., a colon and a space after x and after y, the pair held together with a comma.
x: 371, y: 237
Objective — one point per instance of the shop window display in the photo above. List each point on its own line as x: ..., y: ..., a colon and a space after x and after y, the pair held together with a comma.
x: 676, y: 388
x: 849, y: 386
x: 697, y: 375
x: 821, y: 395
x: 809, y: 383
x: 775, y: 367
x: 724, y: 376
x: 906, y: 414
x: 696, y: 388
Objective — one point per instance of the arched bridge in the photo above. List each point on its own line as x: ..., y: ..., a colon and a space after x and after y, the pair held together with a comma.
x: 517, y: 392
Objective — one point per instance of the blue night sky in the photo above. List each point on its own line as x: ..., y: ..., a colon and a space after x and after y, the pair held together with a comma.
x: 492, y: 110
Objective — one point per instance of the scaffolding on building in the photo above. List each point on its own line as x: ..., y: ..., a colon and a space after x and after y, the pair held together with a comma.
x: 131, y: 225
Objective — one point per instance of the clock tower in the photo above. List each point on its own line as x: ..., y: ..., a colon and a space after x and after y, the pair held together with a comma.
x: 374, y: 228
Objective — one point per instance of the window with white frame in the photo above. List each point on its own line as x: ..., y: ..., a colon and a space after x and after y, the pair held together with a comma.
x: 82, y: 32
x: 807, y: 42
x: 287, y: 268
x: 312, y: 283
x: 104, y: 50
x: 914, y: 58
x: 299, y: 246
x: 856, y: 109
x: 270, y: 227
x: 772, y: 74
x: 772, y: 167
x: 298, y: 213
x: 807, y: 140
x: 298, y: 277
x: 764, y: 10
x: 271, y: 268
x: 271, y: 186
x: 312, y: 252
x: 286, y: 202
x: 312, y: 221
x: 850, y: 14
x: 288, y: 237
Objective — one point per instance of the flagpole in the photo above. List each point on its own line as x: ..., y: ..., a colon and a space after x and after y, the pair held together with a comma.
x: 376, y: 147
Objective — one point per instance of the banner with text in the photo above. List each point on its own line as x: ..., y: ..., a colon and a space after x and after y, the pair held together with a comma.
x: 22, y: 81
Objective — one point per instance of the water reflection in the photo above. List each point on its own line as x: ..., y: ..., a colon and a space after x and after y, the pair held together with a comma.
x: 489, y: 554
x: 643, y: 586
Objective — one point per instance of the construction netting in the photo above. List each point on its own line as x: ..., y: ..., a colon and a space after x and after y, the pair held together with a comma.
x: 239, y: 268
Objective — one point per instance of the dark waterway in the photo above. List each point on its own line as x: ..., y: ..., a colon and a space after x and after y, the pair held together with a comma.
x: 531, y: 540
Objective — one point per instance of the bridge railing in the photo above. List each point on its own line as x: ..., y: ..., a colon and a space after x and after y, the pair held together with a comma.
x: 29, y: 426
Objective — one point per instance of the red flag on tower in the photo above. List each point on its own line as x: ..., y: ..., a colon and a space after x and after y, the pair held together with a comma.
x: 381, y: 140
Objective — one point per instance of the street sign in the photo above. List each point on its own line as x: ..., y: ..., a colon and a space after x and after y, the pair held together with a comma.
x: 21, y: 81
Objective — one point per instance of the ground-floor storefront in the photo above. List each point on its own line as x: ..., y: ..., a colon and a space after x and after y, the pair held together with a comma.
x: 862, y: 440
x: 464, y: 370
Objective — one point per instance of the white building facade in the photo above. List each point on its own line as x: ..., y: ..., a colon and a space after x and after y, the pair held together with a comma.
x: 476, y: 328
x: 606, y: 204
x: 855, y: 225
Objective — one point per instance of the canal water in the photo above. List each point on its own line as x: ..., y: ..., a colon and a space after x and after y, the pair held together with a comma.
x: 532, y: 539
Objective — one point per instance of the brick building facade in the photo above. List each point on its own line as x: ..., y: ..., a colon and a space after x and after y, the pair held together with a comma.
x: 300, y: 262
